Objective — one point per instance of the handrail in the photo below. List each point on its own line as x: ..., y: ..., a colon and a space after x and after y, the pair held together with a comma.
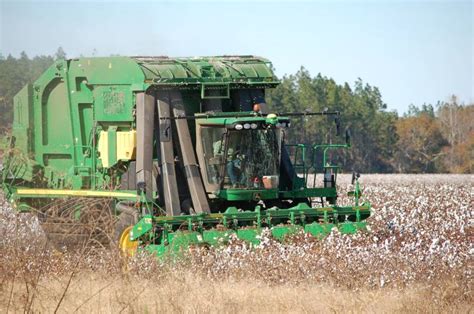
x: 312, y: 150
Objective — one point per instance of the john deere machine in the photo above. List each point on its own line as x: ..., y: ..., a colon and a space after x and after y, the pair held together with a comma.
x: 184, y: 152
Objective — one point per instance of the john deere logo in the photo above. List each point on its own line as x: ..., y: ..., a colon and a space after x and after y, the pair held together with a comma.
x: 114, y: 102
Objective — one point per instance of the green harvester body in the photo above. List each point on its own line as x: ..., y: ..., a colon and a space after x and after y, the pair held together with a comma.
x: 187, y: 143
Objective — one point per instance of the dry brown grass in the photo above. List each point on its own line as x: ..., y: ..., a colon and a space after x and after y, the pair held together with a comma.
x: 386, y: 270
x: 186, y: 292
x: 35, y: 280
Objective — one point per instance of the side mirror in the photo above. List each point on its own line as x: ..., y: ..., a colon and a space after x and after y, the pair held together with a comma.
x: 348, y: 137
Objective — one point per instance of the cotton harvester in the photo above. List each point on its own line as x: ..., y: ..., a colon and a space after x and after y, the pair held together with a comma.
x: 183, y: 151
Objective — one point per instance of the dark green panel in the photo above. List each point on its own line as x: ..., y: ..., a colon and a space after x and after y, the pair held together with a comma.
x: 109, y: 71
x: 57, y: 126
x: 281, y: 232
x: 23, y: 115
x: 57, y: 161
x: 113, y: 103
x: 85, y: 124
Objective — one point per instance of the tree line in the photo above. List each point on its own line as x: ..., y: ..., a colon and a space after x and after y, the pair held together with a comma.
x: 426, y: 139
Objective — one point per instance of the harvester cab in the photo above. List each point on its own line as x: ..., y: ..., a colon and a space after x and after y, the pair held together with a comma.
x: 240, y: 156
x: 185, y: 148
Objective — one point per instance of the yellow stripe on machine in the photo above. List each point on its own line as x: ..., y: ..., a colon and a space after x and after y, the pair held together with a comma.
x: 86, y: 193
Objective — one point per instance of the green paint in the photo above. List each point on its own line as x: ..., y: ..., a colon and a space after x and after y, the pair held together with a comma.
x: 216, y: 237
x: 318, y: 230
x: 233, y: 119
x: 249, y: 235
x: 246, y: 195
x: 144, y: 226
x: 112, y: 141
x: 310, y: 192
x: 58, y: 120
x: 248, y: 226
x: 281, y: 232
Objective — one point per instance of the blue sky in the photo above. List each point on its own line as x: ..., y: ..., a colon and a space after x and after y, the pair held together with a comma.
x: 414, y: 51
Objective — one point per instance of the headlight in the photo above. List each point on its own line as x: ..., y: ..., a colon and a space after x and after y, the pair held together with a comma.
x: 253, y: 126
x: 246, y: 126
x: 278, y: 125
x: 239, y: 127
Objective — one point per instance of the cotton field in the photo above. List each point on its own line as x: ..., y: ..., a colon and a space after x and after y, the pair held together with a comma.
x: 421, y: 230
x: 416, y: 255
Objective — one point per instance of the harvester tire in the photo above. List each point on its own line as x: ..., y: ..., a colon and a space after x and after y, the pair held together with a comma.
x: 128, y: 218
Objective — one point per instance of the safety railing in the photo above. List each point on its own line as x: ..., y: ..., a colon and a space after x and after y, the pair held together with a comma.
x: 304, y: 158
